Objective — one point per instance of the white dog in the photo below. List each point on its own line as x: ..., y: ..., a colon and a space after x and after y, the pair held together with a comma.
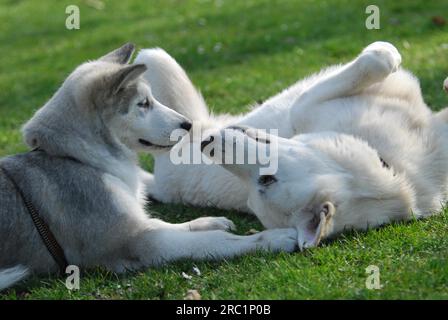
x: 364, y: 150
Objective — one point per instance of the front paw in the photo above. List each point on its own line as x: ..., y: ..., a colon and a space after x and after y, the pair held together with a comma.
x: 278, y: 240
x: 212, y: 223
x: 380, y: 57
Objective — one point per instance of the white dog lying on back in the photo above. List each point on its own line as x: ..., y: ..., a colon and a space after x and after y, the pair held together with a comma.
x: 363, y: 149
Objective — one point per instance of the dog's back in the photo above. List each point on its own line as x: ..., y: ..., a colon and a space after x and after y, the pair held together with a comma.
x: 61, y: 189
x: 20, y: 242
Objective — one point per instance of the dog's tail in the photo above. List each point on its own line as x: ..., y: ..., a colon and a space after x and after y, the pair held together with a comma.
x: 170, y: 84
x: 10, y: 276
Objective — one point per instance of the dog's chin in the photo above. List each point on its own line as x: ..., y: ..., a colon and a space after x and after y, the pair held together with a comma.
x: 153, y: 146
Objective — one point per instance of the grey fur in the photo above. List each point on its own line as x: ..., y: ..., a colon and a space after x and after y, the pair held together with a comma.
x: 86, y: 183
x: 121, y: 55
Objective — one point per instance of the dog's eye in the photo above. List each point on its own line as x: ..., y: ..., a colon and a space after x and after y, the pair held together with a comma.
x: 266, y: 180
x: 146, y: 104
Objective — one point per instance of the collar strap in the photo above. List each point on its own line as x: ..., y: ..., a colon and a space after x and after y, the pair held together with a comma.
x: 384, y: 163
x: 42, y: 228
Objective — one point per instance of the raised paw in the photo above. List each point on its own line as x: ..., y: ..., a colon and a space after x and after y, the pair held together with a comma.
x: 211, y: 223
x: 380, y: 58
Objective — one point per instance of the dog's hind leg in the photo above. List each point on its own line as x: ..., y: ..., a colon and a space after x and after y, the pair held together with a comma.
x: 401, y: 84
x: 170, y: 84
x: 158, y: 246
x: 374, y: 64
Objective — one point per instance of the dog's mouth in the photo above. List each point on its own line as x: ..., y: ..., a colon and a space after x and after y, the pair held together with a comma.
x: 147, y: 143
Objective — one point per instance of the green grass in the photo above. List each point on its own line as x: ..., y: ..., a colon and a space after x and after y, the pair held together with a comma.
x: 236, y: 52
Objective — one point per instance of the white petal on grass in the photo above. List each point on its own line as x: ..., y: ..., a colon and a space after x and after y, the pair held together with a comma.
x: 186, y: 276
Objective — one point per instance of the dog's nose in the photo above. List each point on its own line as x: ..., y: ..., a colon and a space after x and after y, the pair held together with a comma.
x: 186, y: 125
x: 206, y: 142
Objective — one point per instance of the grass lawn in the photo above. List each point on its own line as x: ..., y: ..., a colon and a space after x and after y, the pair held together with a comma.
x: 236, y: 52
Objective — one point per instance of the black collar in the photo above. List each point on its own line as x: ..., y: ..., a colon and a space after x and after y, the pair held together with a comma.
x: 42, y: 228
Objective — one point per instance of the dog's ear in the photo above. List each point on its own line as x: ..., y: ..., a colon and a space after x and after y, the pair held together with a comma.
x: 313, y: 231
x: 126, y: 75
x: 121, y: 55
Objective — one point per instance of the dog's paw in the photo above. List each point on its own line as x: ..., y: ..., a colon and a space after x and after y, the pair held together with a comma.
x: 258, y: 135
x: 212, y: 223
x: 380, y: 57
x: 277, y: 240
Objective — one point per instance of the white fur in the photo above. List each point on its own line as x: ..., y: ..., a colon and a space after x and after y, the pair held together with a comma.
x: 167, y: 80
x: 10, y: 276
x: 341, y: 123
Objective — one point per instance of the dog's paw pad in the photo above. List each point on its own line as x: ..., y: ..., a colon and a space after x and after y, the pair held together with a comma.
x: 381, y: 56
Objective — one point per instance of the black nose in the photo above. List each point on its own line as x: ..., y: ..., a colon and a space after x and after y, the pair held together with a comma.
x: 207, y: 142
x: 186, y: 125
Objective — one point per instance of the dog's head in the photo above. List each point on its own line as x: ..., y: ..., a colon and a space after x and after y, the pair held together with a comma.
x: 111, y: 98
x: 325, y: 183
x: 124, y: 99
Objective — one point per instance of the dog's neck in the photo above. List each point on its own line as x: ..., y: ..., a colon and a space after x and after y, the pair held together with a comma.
x: 61, y: 130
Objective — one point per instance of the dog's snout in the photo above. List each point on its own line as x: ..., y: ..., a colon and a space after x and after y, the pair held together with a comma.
x: 206, y: 142
x: 186, y: 125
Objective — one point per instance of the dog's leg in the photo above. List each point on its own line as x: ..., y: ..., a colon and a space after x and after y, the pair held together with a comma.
x: 373, y: 65
x: 155, y: 247
x: 199, y: 224
x: 150, y: 186
x: 401, y: 85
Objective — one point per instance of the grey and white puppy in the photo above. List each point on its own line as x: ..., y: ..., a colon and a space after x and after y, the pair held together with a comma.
x: 86, y: 183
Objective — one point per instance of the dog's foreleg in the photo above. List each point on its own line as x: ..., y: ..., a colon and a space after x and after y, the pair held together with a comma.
x: 374, y: 64
x: 158, y: 246
x: 149, y: 185
x: 199, y: 224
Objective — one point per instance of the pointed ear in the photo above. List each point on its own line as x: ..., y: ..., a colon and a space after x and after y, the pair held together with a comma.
x: 121, y: 55
x: 317, y: 228
x: 126, y: 75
